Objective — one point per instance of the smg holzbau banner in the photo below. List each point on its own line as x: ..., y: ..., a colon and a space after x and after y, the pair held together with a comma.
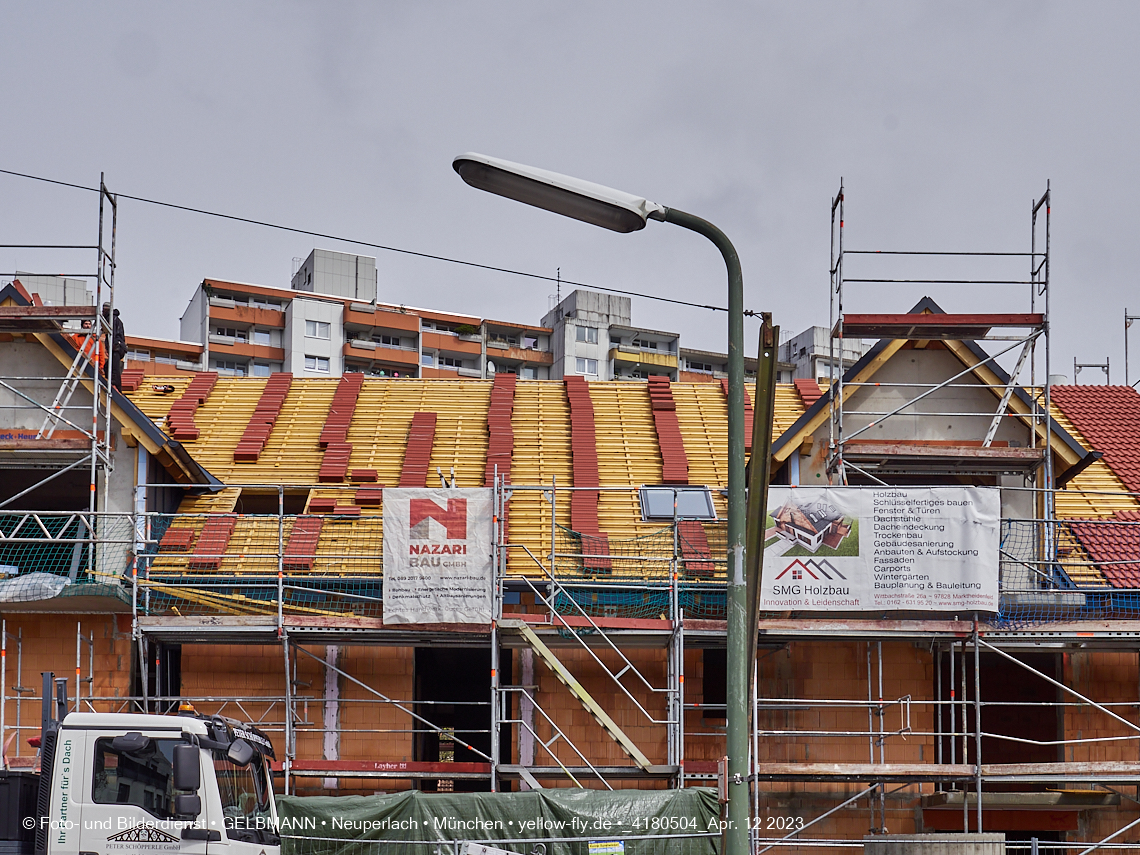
x: 852, y: 549
x: 437, y: 556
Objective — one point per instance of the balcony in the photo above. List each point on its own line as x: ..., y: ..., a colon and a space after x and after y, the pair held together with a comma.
x: 628, y: 355
x: 451, y: 343
x: 228, y: 311
x: 225, y: 345
x: 354, y: 315
x: 370, y: 351
x: 511, y: 354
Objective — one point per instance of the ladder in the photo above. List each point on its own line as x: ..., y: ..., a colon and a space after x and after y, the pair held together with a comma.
x: 577, y: 690
x: 75, y: 375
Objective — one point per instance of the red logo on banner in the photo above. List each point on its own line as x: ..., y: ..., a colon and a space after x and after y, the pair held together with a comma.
x: 454, y: 518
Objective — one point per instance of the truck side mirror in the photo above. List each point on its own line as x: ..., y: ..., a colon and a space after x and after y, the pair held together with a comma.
x: 187, y: 770
x: 130, y: 743
x: 240, y: 752
x: 188, y: 806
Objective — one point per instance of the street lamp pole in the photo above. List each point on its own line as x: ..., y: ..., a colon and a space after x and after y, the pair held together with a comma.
x: 624, y: 212
x: 739, y: 662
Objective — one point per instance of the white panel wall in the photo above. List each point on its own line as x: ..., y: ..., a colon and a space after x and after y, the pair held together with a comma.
x: 298, y: 345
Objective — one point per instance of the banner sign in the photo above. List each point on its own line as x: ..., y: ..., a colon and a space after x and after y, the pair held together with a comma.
x: 850, y: 549
x: 438, y: 566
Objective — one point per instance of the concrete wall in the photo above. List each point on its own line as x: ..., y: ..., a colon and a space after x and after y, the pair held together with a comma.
x: 926, y: 367
x: 194, y: 323
x: 24, y: 358
x: 340, y: 273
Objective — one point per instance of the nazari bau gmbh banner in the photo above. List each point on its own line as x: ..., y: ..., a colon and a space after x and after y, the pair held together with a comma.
x: 437, y: 556
x: 855, y: 549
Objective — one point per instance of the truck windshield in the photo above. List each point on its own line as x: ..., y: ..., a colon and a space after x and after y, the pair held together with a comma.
x: 244, y: 792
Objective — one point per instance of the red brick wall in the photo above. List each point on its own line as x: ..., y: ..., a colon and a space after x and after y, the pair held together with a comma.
x: 49, y: 645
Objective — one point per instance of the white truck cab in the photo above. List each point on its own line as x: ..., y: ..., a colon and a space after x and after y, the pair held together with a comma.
x: 135, y: 783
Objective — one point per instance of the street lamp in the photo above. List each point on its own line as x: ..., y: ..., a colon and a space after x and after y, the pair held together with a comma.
x: 623, y: 212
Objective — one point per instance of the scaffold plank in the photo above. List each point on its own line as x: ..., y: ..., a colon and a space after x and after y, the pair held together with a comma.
x: 932, y: 325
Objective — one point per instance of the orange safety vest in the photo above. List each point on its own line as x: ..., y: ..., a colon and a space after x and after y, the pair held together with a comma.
x: 91, y: 346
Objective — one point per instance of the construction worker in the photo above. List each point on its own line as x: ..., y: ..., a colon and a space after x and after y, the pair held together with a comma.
x: 118, y: 351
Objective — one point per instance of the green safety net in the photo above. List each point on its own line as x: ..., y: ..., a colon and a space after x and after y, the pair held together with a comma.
x: 1050, y: 571
x: 668, y: 822
x: 48, y: 555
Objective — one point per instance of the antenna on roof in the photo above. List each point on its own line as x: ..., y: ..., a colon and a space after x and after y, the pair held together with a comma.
x: 556, y: 297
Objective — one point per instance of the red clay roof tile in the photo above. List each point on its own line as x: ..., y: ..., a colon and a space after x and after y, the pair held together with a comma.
x: 1109, y: 418
x: 1114, y: 545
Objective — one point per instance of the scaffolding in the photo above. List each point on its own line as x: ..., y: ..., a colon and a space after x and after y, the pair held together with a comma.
x: 89, y: 331
x: 925, y: 324
x: 602, y: 617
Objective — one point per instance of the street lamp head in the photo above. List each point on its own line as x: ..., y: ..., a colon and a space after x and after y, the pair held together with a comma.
x: 570, y: 197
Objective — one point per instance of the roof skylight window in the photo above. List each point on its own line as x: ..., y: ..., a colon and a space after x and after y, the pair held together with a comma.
x: 680, y: 502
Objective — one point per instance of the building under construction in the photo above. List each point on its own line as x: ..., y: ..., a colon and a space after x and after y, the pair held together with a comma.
x: 220, y: 539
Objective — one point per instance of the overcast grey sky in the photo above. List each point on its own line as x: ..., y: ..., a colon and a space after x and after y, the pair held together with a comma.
x: 944, y: 119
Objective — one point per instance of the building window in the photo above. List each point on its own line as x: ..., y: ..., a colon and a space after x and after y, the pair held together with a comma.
x: 260, y: 370
x: 231, y: 332
x: 427, y: 359
x: 261, y: 337
x: 451, y: 362
x: 587, y: 366
x: 166, y: 359
x: 139, y: 355
x: 700, y: 366
x: 317, y: 363
x: 389, y: 340
x: 264, y: 303
x: 235, y: 368
x: 586, y: 334
x: 692, y: 503
x: 317, y: 329
x: 528, y: 373
x: 644, y: 344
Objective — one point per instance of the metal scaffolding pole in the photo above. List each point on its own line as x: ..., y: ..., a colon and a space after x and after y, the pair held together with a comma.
x: 978, y: 722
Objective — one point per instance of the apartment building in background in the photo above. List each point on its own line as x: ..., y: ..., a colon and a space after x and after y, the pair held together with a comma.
x: 810, y: 354
x: 330, y: 321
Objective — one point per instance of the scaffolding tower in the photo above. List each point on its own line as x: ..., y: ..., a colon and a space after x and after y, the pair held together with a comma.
x: 1013, y: 332
x: 90, y: 331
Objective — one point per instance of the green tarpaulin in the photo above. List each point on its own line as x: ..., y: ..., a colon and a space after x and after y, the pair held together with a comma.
x: 363, y: 825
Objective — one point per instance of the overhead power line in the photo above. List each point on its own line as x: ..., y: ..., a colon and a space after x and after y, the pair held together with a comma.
x: 371, y: 245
